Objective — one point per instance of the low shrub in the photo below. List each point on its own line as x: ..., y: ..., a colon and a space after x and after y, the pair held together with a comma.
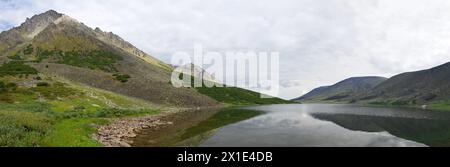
x: 16, y: 68
x: 122, y: 77
x: 97, y: 59
x: 7, y: 87
x: 22, y: 129
x: 28, y: 50
x: 42, y: 84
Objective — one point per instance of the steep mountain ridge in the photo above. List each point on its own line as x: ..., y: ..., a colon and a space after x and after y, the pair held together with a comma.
x: 58, y: 45
x: 51, y: 19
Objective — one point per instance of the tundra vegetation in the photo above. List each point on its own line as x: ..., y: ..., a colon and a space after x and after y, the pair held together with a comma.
x: 55, y: 113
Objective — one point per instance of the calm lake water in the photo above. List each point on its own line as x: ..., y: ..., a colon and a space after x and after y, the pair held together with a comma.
x: 321, y: 125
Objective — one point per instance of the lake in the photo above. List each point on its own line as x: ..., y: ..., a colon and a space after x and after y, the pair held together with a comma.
x: 308, y: 125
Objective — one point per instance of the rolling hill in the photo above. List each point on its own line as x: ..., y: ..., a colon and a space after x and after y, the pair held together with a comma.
x: 342, y: 91
x: 425, y: 87
x: 420, y: 87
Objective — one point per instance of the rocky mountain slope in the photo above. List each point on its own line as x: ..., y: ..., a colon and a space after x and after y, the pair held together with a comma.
x: 58, y: 45
x: 60, y: 80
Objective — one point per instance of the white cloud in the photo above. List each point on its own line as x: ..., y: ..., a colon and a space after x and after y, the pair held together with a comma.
x: 320, y: 41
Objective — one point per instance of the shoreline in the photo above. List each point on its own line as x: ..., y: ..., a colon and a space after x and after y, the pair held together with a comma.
x: 121, y: 132
x: 424, y: 107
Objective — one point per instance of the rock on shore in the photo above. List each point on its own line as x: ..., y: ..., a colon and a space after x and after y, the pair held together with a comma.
x: 120, y: 132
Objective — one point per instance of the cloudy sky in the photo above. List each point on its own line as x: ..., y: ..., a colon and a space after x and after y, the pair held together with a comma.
x: 320, y: 41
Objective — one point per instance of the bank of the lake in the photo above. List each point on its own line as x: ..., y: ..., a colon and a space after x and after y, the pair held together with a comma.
x: 119, y: 132
x: 443, y: 105
x: 436, y: 106
x: 191, y: 127
x: 123, y: 132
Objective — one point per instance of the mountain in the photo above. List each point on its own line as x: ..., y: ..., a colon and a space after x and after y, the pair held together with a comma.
x: 420, y: 87
x: 314, y: 93
x: 60, y: 79
x: 344, y: 90
x: 426, y: 87
x: 58, y: 45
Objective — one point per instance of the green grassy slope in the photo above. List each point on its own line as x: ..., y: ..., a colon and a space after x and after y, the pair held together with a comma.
x: 39, y: 110
x: 233, y: 95
x: 441, y: 105
x: 238, y: 96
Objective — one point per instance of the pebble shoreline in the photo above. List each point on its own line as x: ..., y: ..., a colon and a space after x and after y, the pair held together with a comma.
x: 120, y: 132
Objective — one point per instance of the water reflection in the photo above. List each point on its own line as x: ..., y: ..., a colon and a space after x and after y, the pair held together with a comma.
x: 291, y: 129
x: 432, y: 132
x: 317, y: 125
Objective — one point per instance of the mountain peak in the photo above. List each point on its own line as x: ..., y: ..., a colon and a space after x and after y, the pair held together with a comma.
x: 32, y: 26
x: 45, y: 26
x: 51, y: 12
x: 48, y: 14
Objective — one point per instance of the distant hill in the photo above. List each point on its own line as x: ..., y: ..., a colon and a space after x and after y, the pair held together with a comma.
x: 426, y: 87
x: 420, y: 87
x: 342, y: 91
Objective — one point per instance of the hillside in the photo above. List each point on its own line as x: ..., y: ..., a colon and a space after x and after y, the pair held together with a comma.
x: 344, y: 90
x: 225, y: 94
x: 429, y: 87
x: 60, y: 79
x: 414, y: 88
x: 57, y: 45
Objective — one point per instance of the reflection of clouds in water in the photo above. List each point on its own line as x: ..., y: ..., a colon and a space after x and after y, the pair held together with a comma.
x: 298, y: 129
x: 353, y: 110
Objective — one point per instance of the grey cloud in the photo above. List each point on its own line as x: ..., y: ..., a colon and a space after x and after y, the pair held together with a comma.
x: 320, y: 41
